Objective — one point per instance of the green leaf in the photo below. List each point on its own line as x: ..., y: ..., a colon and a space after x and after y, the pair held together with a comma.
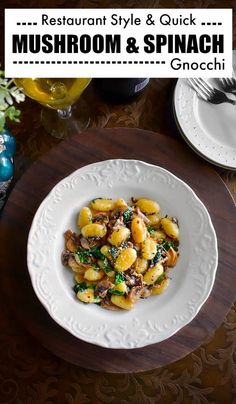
x: 127, y: 215
x: 151, y: 229
x: 107, y: 267
x: 2, y: 121
x: 119, y: 278
x: 12, y: 113
x: 8, y: 92
x: 115, y: 292
x: 170, y: 244
x: 80, y: 287
x: 83, y: 255
x: 161, y: 278
x: 158, y: 255
x: 96, y: 253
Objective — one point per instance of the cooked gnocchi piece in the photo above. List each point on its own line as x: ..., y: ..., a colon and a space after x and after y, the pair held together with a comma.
x: 122, y: 302
x: 170, y: 228
x: 88, y: 296
x: 93, y: 230
x: 84, y: 217
x: 119, y: 235
x: 122, y: 251
x: 125, y: 259
x: 141, y: 265
x: 153, y: 273
x: 148, y: 206
x: 102, y: 204
x: 92, y: 274
x: 138, y: 229
x: 154, y: 219
x: 149, y: 248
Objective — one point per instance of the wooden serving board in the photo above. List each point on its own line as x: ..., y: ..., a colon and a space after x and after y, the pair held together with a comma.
x: 88, y: 147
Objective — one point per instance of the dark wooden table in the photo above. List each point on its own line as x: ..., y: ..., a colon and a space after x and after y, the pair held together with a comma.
x: 31, y: 374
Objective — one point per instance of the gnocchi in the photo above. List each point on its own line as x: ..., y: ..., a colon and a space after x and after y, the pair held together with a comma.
x: 138, y: 229
x: 84, y: 217
x: 148, y: 206
x: 119, y: 235
x: 102, y: 204
x: 122, y: 251
x: 170, y: 228
x: 149, y: 248
x: 94, y: 230
x: 125, y: 259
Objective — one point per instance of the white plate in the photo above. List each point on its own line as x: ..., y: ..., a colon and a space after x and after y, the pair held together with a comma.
x: 153, y: 319
x: 209, y: 129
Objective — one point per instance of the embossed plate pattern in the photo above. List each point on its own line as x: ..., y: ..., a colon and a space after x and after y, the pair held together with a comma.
x: 153, y: 319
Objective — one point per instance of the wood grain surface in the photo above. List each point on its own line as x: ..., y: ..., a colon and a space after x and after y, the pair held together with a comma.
x: 88, y: 147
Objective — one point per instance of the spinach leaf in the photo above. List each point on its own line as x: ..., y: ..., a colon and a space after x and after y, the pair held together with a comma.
x: 160, y: 279
x: 96, y: 253
x: 168, y: 244
x: 127, y: 215
x: 119, y: 277
x: 80, y: 287
x: 115, y: 292
x: 107, y: 267
x: 158, y: 255
x: 151, y: 230
x: 84, y: 255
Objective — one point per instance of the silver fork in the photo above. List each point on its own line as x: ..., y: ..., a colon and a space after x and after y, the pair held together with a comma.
x: 227, y: 84
x: 208, y: 92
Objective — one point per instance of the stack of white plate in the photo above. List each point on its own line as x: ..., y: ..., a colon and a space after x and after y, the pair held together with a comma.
x: 208, y: 128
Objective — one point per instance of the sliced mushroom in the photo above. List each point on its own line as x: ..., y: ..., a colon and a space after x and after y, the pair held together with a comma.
x: 138, y: 212
x: 76, y: 266
x: 172, y: 256
x: 102, y: 288
x: 90, y: 242
x: 101, y: 217
x: 68, y: 234
x: 82, y: 264
x: 135, y: 293
x: 66, y: 255
x: 134, y: 279
x: 145, y: 292
x: 72, y: 241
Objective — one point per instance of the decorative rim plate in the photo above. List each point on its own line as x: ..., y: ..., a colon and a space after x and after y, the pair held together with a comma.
x: 154, y: 319
x: 208, y: 129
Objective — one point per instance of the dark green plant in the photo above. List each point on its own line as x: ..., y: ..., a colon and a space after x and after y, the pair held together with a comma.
x: 8, y: 94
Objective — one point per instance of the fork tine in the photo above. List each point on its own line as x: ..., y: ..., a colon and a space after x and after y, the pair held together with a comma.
x: 207, y: 85
x: 197, y: 89
x: 204, y: 87
x: 223, y: 80
x: 200, y: 83
x: 232, y: 81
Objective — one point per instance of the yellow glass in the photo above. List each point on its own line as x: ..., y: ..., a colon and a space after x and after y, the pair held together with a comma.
x: 57, y: 94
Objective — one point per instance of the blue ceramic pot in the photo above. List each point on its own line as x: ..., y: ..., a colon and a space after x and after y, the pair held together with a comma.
x: 7, y: 151
x: 9, y: 142
x: 6, y: 168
